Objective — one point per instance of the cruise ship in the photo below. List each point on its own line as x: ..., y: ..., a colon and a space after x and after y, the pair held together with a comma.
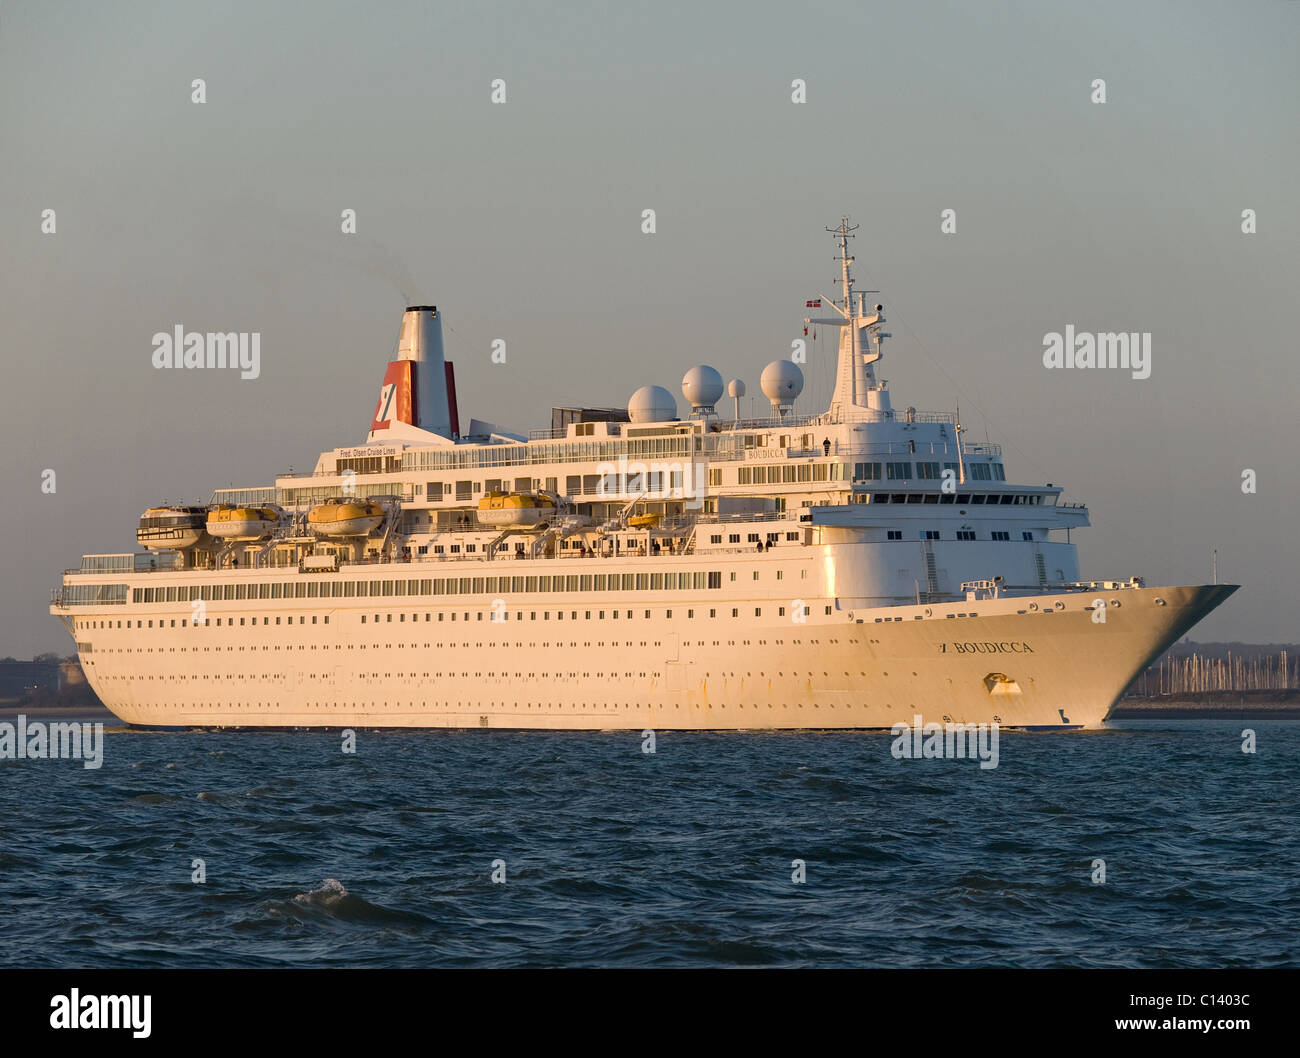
x: 645, y: 567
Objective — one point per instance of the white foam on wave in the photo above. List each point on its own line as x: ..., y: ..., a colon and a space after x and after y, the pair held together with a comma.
x: 331, y: 891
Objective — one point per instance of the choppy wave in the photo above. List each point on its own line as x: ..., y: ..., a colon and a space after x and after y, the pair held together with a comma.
x: 502, y: 849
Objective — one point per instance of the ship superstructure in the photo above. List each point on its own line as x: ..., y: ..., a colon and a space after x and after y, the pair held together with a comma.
x: 848, y: 569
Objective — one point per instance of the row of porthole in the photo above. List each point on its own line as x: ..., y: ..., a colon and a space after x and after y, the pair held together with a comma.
x: 480, y: 675
x: 149, y: 707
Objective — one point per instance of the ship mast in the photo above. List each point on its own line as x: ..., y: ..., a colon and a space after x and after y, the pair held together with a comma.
x: 857, y: 395
x: 857, y: 387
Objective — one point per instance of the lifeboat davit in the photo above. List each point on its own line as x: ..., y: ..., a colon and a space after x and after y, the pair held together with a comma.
x: 514, y: 508
x: 345, y: 516
x: 229, y: 521
x: 171, y: 528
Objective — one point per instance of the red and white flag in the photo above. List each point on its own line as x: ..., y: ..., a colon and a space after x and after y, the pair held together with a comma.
x: 814, y: 304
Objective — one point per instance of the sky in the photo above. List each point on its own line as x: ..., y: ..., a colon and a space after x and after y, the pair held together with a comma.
x: 522, y: 221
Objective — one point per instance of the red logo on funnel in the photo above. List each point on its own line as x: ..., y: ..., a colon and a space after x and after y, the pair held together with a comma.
x: 397, y: 396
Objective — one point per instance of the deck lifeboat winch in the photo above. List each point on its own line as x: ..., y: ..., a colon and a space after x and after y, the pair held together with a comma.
x: 345, y: 516
x: 171, y: 528
x: 228, y: 521
x: 508, y: 509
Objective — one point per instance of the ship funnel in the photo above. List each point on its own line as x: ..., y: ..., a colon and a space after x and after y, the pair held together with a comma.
x: 421, y: 343
x: 416, y: 387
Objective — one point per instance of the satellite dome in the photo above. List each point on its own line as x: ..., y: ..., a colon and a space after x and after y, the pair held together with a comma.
x: 782, y: 382
x: 652, y: 404
x: 702, y: 386
x: 736, y: 387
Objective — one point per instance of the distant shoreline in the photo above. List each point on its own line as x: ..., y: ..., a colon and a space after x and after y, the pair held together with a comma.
x: 1239, y: 705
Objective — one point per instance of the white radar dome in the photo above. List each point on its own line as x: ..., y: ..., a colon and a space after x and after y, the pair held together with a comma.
x: 652, y: 404
x: 782, y: 382
x: 702, y: 386
x: 736, y: 387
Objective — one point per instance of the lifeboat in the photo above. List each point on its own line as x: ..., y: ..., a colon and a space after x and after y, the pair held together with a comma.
x: 232, y: 522
x: 514, y: 508
x: 171, y: 528
x: 644, y: 521
x: 345, y: 516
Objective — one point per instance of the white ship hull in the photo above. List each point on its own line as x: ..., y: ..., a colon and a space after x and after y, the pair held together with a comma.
x: 1049, y: 669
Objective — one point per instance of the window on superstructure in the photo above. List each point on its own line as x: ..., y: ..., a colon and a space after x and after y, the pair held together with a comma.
x: 895, y: 534
x: 898, y: 471
x: 928, y: 471
x: 1001, y: 535
x: 930, y: 534
x: 965, y: 534
x: 1026, y: 535
x: 998, y: 473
